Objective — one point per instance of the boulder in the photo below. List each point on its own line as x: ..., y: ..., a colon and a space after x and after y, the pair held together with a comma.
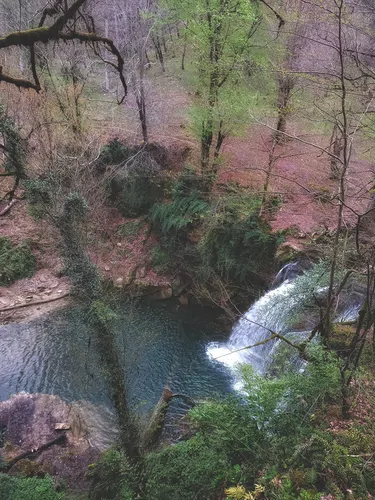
x: 162, y: 294
x: 287, y: 252
x: 30, y: 421
x: 183, y: 300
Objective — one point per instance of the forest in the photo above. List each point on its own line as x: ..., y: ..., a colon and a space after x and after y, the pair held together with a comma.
x: 187, y: 249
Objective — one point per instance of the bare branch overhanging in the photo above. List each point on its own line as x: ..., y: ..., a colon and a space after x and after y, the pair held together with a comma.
x: 59, y: 30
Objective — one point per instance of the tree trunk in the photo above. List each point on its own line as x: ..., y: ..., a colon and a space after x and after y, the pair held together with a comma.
x: 157, y: 420
x: 285, y: 87
x: 271, y: 164
x: 141, y: 98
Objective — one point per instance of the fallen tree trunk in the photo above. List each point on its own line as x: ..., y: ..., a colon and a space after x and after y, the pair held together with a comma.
x: 38, y: 302
x: 59, y: 440
x: 6, y: 209
x: 157, y: 421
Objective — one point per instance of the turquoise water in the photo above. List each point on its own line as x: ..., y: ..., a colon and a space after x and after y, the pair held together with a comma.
x: 159, y: 343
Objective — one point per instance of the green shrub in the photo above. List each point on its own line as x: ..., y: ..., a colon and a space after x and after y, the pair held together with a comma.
x: 16, y: 261
x: 175, y: 218
x: 136, y: 182
x: 236, y: 242
x: 114, y: 153
x: 179, y: 215
x: 265, y: 435
x: 113, y: 477
x: 39, y: 196
x: 15, y: 148
x: 187, y: 471
x: 32, y: 488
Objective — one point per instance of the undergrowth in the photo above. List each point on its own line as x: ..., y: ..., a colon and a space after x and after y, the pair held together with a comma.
x: 136, y: 182
x: 31, y: 488
x: 267, y: 444
x: 16, y: 261
x: 215, y: 244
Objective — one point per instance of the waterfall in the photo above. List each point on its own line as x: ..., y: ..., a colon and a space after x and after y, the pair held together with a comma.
x: 273, y: 313
x: 269, y: 314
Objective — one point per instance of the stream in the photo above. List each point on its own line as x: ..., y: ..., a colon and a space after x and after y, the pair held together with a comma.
x: 160, y: 343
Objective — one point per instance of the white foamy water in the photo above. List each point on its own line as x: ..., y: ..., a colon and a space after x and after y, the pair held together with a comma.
x: 272, y: 314
x: 266, y: 316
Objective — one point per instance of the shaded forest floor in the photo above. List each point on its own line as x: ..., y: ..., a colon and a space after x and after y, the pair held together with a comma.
x: 300, y: 179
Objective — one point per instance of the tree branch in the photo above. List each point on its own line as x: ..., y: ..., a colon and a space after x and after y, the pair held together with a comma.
x: 18, y: 82
x: 278, y: 16
x: 44, y: 34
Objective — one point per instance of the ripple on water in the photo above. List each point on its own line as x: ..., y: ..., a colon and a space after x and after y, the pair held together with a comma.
x: 159, y: 345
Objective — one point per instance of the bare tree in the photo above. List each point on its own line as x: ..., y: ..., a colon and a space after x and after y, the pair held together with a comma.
x: 68, y: 22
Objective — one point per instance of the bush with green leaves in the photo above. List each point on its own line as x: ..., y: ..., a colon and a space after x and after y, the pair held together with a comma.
x: 217, y: 245
x: 15, y: 148
x: 31, y: 488
x: 113, y: 478
x: 39, y: 193
x: 114, y: 153
x: 16, y: 261
x: 269, y: 436
x: 174, y: 219
x: 236, y: 242
x: 187, y: 471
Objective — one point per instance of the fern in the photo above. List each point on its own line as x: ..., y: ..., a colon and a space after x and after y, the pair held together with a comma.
x: 180, y: 214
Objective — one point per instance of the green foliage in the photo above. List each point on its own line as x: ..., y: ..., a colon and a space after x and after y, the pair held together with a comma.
x: 32, y: 488
x: 75, y: 207
x: 101, y: 313
x: 215, y: 244
x: 82, y: 272
x: 178, y: 215
x: 219, y: 36
x: 68, y: 212
x: 161, y: 258
x: 16, y: 261
x: 236, y: 242
x: 39, y: 194
x: 186, y: 471
x: 187, y: 207
x: 297, y: 395
x: 15, y: 149
x: 309, y: 292
x: 265, y: 443
x: 137, y: 182
x: 112, y: 477
x: 114, y: 153
x: 78, y: 266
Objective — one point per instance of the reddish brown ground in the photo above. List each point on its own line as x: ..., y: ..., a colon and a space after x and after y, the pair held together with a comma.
x: 46, y: 284
x: 300, y: 178
x: 126, y: 260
